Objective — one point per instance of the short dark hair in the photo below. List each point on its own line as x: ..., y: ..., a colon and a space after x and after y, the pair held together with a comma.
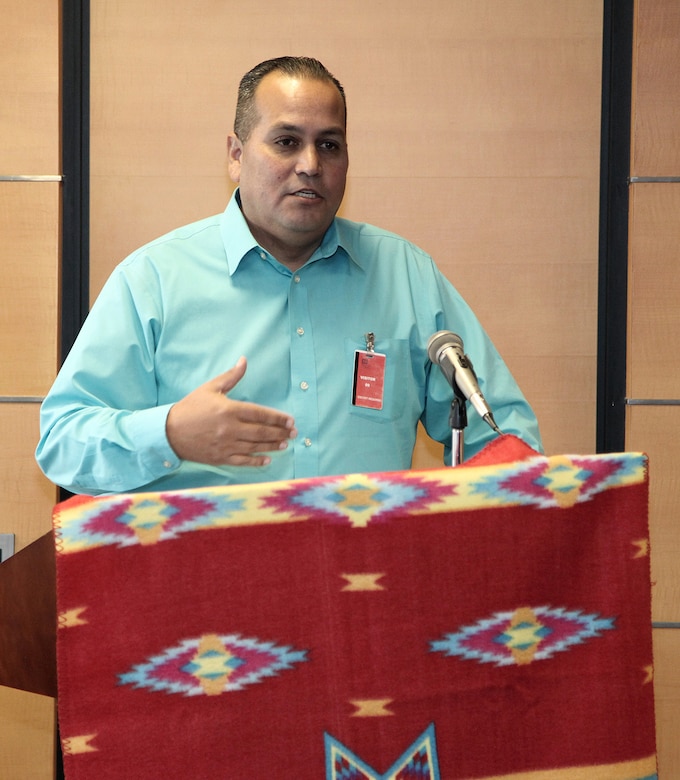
x: 301, y: 67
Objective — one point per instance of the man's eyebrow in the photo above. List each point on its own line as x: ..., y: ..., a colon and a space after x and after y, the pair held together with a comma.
x: 291, y: 128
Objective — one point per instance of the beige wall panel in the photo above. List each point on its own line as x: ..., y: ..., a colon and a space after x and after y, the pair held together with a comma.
x: 567, y: 423
x: 502, y: 243
x: 29, y: 257
x: 654, y: 291
x: 667, y: 698
x: 654, y: 430
x: 656, y: 75
x: 474, y: 131
x: 27, y: 736
x: 30, y: 495
x: 558, y: 388
x: 30, y: 35
x: 29, y: 86
x: 519, y: 74
x: 145, y: 207
x: 427, y: 454
x: 495, y: 220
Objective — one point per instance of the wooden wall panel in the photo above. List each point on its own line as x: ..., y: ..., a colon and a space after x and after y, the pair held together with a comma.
x: 654, y: 291
x: 656, y: 75
x: 145, y: 207
x: 29, y: 256
x: 667, y: 700
x: 30, y: 146
x: 22, y: 484
x: 29, y: 85
x: 474, y: 131
x: 654, y: 430
x: 27, y: 737
x: 653, y: 371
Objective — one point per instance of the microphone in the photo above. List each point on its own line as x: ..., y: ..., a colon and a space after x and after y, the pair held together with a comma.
x: 446, y: 349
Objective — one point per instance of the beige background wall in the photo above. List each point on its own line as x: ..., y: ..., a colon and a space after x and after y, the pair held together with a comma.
x: 654, y: 331
x: 29, y: 259
x: 474, y: 131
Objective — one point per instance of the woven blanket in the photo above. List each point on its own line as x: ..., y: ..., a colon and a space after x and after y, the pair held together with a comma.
x: 486, y: 621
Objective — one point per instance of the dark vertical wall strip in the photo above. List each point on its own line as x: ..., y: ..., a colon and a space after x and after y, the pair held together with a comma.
x: 613, y: 263
x: 75, y: 162
x: 75, y: 245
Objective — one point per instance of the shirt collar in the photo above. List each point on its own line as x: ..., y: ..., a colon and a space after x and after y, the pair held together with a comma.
x: 236, y: 235
x: 238, y: 240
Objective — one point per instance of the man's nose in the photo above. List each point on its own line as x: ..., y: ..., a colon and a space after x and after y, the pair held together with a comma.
x: 308, y: 162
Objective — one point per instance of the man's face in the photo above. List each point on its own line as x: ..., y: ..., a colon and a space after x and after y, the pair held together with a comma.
x: 292, y: 168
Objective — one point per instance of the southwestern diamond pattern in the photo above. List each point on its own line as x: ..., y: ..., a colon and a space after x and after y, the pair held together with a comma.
x: 525, y: 635
x: 211, y: 664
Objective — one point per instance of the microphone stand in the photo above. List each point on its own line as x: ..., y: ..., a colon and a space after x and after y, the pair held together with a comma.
x: 458, y: 423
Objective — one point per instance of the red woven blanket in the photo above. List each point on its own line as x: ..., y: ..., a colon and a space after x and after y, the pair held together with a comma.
x: 486, y: 621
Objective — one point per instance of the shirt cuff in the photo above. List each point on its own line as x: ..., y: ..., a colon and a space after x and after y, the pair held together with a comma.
x: 147, y: 430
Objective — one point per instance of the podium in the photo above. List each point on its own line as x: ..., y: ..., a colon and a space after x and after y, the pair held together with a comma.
x: 486, y: 621
x: 28, y: 626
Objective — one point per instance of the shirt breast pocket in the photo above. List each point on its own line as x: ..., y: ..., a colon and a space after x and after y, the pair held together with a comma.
x: 398, y: 383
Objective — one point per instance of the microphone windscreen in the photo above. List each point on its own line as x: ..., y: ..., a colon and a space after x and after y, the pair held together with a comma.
x: 440, y: 341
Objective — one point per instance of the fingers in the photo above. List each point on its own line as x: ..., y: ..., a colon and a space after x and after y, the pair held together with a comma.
x: 207, y: 426
x: 251, y: 461
x: 251, y: 431
x: 257, y: 422
x: 260, y: 425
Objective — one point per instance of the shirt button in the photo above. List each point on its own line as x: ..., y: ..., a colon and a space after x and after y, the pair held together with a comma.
x: 167, y: 464
x: 263, y: 255
x: 301, y: 331
x: 308, y: 442
x: 296, y: 279
x: 304, y: 386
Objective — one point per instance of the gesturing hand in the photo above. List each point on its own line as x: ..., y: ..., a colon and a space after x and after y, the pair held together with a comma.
x: 207, y: 427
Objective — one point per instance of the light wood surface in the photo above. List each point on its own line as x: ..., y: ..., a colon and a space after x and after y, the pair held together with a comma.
x: 654, y: 291
x: 30, y: 145
x: 29, y: 257
x: 654, y: 330
x: 667, y: 701
x: 27, y: 736
x: 30, y: 494
x: 29, y: 86
x: 656, y: 75
x: 654, y: 430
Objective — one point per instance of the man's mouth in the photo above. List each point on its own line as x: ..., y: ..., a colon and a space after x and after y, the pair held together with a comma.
x: 309, y: 194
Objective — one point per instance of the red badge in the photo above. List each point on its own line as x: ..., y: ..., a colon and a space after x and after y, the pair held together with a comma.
x: 369, y: 379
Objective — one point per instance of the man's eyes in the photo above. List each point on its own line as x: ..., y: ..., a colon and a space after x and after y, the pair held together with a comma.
x: 293, y: 143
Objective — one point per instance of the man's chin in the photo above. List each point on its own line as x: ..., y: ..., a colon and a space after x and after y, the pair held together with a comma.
x: 309, y: 225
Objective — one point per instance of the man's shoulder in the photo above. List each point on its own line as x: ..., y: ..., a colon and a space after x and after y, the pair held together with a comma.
x: 363, y: 237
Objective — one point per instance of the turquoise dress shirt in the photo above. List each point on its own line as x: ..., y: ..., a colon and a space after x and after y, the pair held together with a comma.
x: 182, y: 309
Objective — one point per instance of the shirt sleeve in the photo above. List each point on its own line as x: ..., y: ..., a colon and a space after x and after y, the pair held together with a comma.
x: 510, y: 408
x: 101, y: 428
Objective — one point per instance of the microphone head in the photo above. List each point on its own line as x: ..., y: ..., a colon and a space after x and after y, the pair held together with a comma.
x: 442, y: 340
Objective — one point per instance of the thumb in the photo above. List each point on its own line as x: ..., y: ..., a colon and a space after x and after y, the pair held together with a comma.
x: 227, y: 381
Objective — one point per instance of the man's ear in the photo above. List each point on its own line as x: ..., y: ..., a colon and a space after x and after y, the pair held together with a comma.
x: 234, y: 152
